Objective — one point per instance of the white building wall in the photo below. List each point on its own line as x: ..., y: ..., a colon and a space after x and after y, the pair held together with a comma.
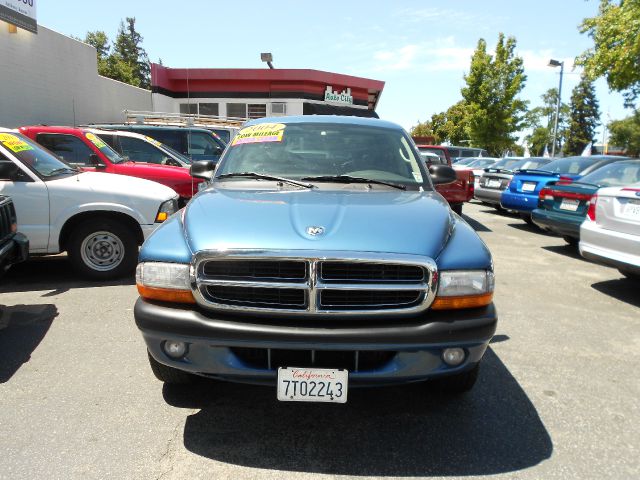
x: 163, y: 103
x: 51, y: 78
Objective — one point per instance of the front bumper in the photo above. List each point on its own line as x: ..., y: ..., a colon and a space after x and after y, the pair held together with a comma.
x: 520, y: 202
x: 416, y: 343
x: 608, y: 247
x: 14, y: 251
x: 562, y: 224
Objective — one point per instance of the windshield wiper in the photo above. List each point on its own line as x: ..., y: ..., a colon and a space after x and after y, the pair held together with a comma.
x: 62, y: 170
x: 264, y: 176
x: 350, y: 179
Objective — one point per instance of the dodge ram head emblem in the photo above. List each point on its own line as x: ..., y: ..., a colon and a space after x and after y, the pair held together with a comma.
x: 315, y: 231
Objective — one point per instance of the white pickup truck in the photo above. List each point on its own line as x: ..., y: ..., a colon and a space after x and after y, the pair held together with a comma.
x: 99, y: 219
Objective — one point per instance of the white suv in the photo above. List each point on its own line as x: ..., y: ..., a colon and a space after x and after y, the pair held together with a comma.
x: 99, y: 219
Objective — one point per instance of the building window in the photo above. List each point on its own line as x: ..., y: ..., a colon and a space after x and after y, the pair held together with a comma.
x: 278, y: 109
x: 257, y: 110
x: 238, y: 110
x: 191, y: 108
x: 208, y: 109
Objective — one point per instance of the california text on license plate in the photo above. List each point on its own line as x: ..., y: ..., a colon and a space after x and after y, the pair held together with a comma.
x: 528, y: 187
x: 632, y: 209
x: 494, y: 183
x: 569, y: 204
x: 312, y: 385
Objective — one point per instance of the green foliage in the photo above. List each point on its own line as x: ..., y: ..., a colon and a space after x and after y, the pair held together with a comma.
x: 128, y: 47
x: 616, y: 53
x: 493, y: 111
x: 424, y: 129
x: 125, y: 60
x: 626, y: 133
x: 584, y: 117
x: 541, y: 120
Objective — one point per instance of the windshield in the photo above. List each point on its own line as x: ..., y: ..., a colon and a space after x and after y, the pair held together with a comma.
x: 175, y: 153
x: 507, y: 163
x: 615, y: 174
x: 33, y: 156
x: 570, y: 165
x: 302, y: 150
x: 105, y: 149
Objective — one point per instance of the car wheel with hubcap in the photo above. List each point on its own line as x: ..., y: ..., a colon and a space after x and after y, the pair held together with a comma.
x: 103, y: 249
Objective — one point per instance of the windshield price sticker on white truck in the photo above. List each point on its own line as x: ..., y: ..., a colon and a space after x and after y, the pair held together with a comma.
x: 312, y: 385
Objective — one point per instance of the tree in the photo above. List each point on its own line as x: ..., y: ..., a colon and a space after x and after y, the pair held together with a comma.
x: 584, y: 117
x: 541, y: 120
x: 424, y: 129
x: 493, y: 111
x: 128, y: 46
x: 626, y: 133
x: 451, y: 125
x: 616, y: 52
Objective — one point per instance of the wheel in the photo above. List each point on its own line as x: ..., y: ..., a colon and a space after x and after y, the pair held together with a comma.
x: 498, y: 208
x: 459, y: 383
x: 527, y: 218
x: 168, y: 374
x: 630, y: 275
x: 103, y: 249
x: 571, y: 240
x: 457, y: 208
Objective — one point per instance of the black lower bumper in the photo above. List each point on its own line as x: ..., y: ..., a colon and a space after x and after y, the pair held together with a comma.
x: 16, y: 250
x: 432, y: 328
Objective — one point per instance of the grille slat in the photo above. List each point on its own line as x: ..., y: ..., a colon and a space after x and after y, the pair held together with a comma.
x: 367, y: 272
x: 315, y: 285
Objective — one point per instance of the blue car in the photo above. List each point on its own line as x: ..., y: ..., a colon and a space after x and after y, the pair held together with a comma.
x: 522, y: 194
x: 319, y: 258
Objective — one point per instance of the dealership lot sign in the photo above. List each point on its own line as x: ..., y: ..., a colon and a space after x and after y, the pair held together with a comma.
x: 21, y: 13
x: 341, y: 98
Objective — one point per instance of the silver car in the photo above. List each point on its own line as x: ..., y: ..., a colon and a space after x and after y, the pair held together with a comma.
x: 611, y: 232
x: 495, y: 179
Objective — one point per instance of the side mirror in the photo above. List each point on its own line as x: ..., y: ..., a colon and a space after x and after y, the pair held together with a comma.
x: 202, y: 169
x: 8, y: 170
x: 441, y: 174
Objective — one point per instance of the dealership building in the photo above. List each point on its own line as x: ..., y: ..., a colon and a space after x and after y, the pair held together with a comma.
x: 51, y: 78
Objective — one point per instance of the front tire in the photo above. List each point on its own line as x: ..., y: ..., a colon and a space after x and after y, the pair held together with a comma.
x: 103, y: 249
x: 458, y: 383
x: 169, y: 375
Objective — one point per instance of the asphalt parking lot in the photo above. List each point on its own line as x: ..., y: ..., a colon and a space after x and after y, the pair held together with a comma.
x: 557, y: 395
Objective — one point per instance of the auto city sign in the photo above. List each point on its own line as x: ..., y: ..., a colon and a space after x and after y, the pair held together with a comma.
x: 342, y: 98
x: 21, y: 13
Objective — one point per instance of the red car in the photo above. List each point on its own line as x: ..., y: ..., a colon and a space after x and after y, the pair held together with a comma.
x: 455, y: 193
x: 82, y: 148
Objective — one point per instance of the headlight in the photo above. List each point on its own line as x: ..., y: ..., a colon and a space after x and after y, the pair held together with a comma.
x: 202, y: 186
x: 168, y: 282
x: 464, y: 289
x: 167, y: 209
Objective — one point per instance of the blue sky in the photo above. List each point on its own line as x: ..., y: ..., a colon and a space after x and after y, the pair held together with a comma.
x: 420, y: 49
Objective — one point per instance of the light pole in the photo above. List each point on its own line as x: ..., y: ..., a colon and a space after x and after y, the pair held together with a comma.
x: 556, y: 63
x: 268, y: 58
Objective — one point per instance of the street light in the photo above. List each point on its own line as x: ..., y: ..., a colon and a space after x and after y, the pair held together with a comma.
x: 556, y: 63
x: 268, y: 58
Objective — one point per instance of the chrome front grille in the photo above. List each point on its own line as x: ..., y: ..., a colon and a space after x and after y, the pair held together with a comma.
x: 303, y: 282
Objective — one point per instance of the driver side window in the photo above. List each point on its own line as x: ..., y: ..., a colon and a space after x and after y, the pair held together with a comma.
x: 140, y: 151
x: 68, y: 147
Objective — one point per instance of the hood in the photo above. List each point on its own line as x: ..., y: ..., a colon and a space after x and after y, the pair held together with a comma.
x: 376, y: 221
x: 154, y: 170
x: 106, y: 186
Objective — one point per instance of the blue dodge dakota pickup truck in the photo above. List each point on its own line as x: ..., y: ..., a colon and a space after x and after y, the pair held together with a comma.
x: 318, y: 258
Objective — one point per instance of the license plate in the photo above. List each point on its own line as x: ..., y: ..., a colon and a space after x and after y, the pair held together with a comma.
x: 528, y: 187
x: 312, y: 385
x: 632, y: 210
x: 569, y: 204
x: 494, y: 183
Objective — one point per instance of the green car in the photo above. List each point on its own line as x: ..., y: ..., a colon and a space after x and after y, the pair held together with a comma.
x: 562, y: 208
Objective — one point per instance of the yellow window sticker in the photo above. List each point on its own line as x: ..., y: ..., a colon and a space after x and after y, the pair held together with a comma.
x: 95, y: 140
x: 263, y: 132
x: 153, y: 140
x: 14, y: 143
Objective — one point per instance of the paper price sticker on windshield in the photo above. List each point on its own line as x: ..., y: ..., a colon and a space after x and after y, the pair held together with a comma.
x: 264, y: 132
x: 95, y: 140
x: 14, y: 143
x: 152, y: 140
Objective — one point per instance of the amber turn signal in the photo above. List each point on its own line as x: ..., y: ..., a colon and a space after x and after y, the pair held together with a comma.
x: 467, y: 301
x: 166, y: 294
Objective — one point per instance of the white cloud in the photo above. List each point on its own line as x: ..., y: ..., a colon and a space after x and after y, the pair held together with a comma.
x: 538, y: 60
x: 439, y: 55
